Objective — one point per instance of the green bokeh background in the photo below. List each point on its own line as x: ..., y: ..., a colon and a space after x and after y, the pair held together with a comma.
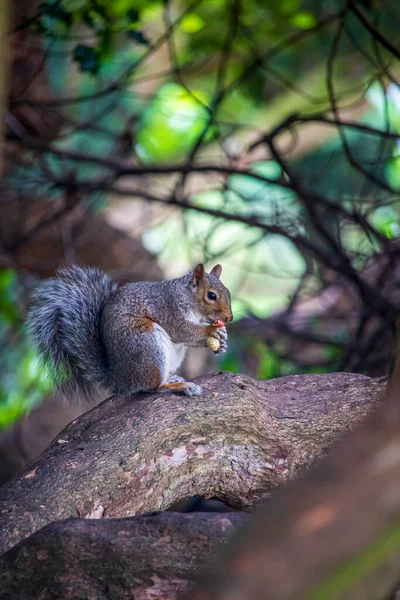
x: 261, y: 271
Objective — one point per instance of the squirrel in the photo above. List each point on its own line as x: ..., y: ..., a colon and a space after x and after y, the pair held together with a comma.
x: 128, y: 339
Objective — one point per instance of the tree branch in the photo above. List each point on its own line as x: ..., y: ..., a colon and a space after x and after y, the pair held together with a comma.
x: 237, y: 442
x: 332, y: 535
x: 373, y: 31
x: 150, y: 556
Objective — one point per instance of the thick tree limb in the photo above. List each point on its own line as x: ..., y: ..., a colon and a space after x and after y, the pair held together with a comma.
x: 150, y: 556
x: 334, y: 535
x: 237, y: 442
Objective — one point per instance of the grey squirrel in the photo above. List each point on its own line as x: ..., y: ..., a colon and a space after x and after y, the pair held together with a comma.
x: 126, y: 339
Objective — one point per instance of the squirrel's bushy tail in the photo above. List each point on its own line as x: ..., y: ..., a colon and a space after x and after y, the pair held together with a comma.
x: 64, y: 326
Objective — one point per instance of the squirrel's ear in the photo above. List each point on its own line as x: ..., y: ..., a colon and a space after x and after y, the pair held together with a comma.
x: 216, y: 271
x: 198, y: 274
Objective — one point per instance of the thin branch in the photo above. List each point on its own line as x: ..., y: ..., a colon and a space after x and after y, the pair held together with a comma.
x: 373, y: 31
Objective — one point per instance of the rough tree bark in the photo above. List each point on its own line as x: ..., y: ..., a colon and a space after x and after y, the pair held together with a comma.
x: 150, y: 556
x: 334, y: 534
x: 238, y: 441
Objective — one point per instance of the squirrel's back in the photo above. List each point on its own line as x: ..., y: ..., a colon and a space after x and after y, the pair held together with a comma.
x: 64, y: 326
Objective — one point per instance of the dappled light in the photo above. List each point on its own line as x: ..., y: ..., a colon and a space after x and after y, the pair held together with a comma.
x: 154, y: 142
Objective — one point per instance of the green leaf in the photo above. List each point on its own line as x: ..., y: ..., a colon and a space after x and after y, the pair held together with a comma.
x: 132, y: 15
x: 303, y: 20
x: 230, y: 362
x: 191, y: 23
x: 87, y: 58
x: 172, y: 123
x: 268, y: 366
x: 72, y: 5
x: 138, y: 37
x: 54, y: 18
x: 386, y: 219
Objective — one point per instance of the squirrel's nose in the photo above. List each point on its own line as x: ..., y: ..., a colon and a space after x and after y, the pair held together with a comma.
x: 228, y: 319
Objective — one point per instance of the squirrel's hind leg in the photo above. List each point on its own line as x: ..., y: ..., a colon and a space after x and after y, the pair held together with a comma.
x: 188, y: 388
x: 152, y: 366
x: 179, y: 385
x: 173, y: 355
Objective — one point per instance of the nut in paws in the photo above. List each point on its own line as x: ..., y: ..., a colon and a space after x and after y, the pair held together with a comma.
x: 213, y: 343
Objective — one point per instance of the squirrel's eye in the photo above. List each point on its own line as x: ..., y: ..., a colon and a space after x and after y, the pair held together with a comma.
x: 212, y: 296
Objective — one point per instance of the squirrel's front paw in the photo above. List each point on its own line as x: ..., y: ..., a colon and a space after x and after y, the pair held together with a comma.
x: 221, y: 335
x: 223, y: 348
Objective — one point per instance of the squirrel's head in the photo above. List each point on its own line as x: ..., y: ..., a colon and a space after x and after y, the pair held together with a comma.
x: 212, y: 297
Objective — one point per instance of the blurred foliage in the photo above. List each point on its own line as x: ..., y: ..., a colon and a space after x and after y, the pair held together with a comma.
x: 92, y: 44
x: 105, y: 20
x: 25, y: 382
x: 172, y: 123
